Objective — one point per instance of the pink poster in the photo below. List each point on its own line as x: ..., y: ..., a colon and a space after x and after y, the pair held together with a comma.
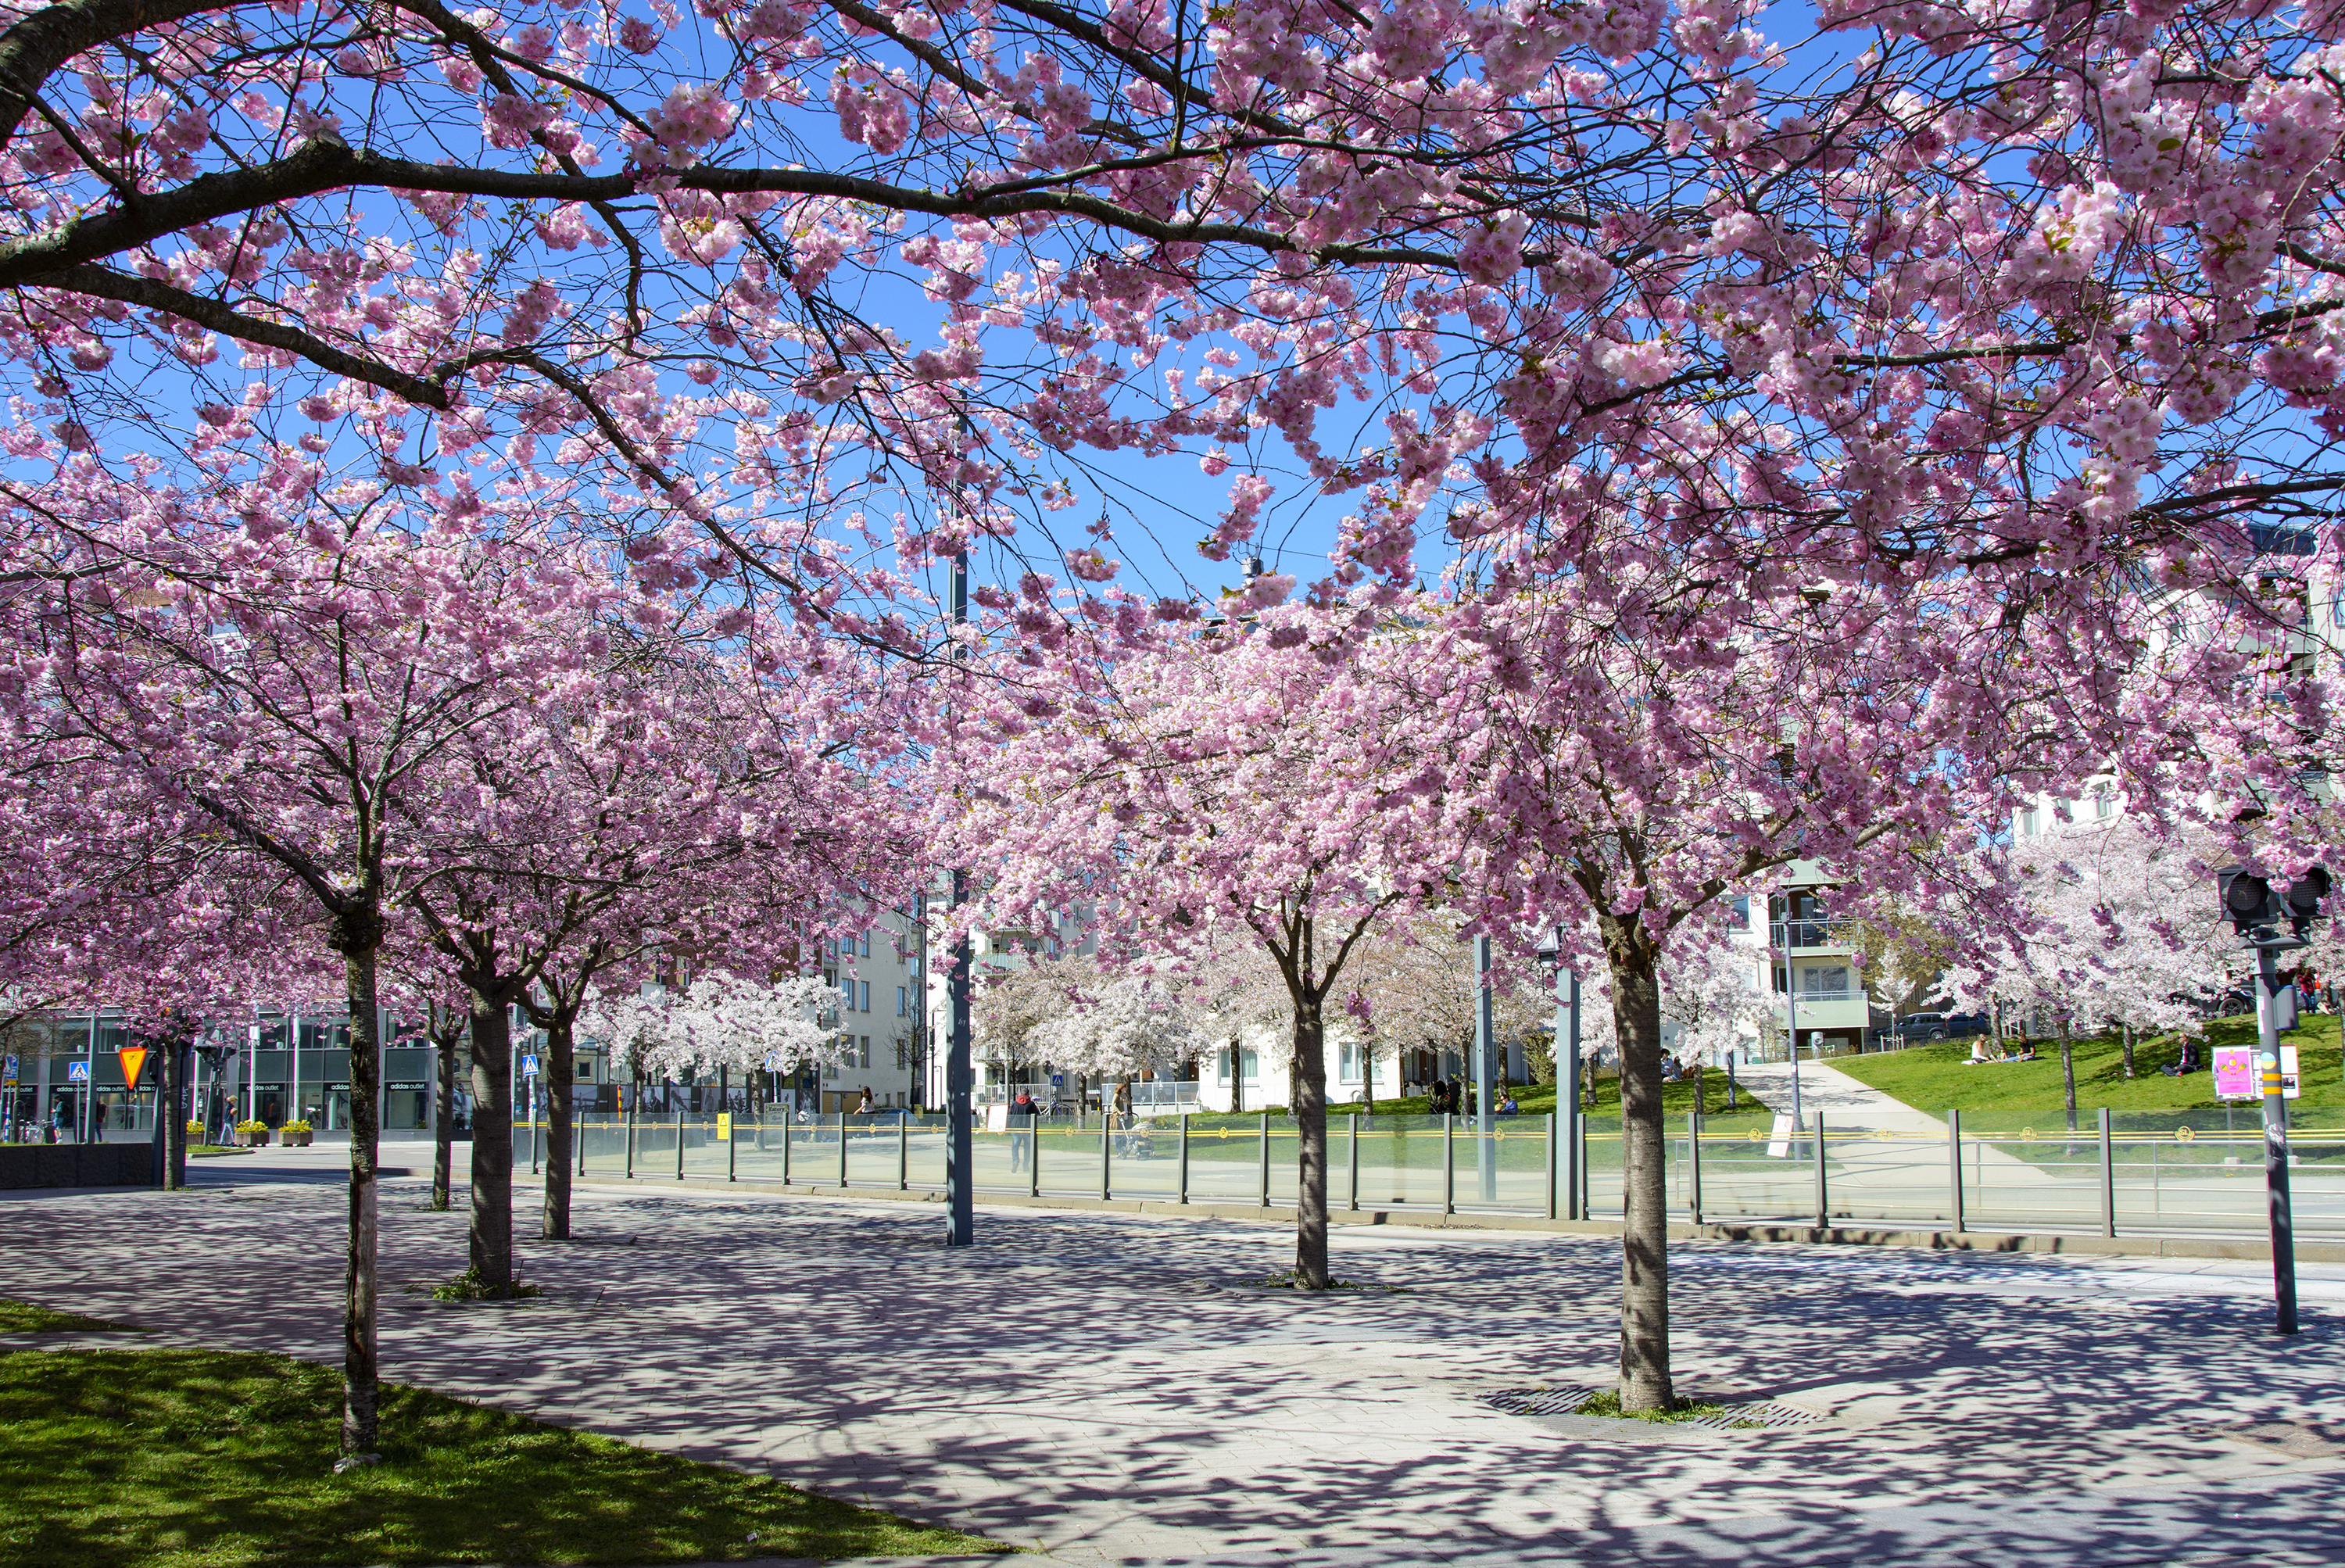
x: 2235, y: 1072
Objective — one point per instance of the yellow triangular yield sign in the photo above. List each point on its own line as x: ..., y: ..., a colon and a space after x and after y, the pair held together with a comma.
x: 134, y: 1062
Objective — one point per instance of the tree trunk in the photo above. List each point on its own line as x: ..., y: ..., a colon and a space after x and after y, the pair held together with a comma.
x: 1368, y: 1084
x: 1645, y: 1383
x: 1237, y: 1076
x: 170, y: 1116
x: 1311, y: 1128
x: 2068, y: 1070
x: 444, y: 1122
x: 561, y: 1050
x: 491, y: 1237
x: 2125, y: 1032
x: 358, y: 937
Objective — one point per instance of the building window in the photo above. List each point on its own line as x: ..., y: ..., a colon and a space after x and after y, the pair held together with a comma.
x: 1824, y: 981
x: 866, y: 944
x: 900, y: 1001
x: 1738, y: 915
x: 2104, y: 804
x: 864, y: 1060
x: 2028, y: 823
x: 1347, y: 1063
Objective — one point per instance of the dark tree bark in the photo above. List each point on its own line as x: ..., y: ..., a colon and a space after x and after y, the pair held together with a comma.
x: 489, y: 1241
x: 2125, y: 1033
x: 560, y: 1051
x: 1237, y: 1076
x: 1645, y: 1383
x: 444, y: 1032
x: 170, y: 1113
x: 1311, y: 1131
x: 358, y: 935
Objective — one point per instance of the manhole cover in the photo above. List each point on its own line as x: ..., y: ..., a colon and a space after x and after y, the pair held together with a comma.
x: 1742, y: 1417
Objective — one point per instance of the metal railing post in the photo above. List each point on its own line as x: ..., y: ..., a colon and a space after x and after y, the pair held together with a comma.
x: 903, y: 1154
x: 1449, y: 1164
x: 1352, y: 1151
x: 632, y: 1109
x: 1262, y: 1187
x: 1184, y: 1157
x: 578, y: 1132
x: 1034, y: 1154
x: 1107, y: 1120
x: 2108, y: 1181
x: 789, y: 1124
x: 842, y: 1148
x: 1824, y: 1197
x: 1693, y: 1165
x: 1955, y: 1169
x: 679, y: 1143
x: 732, y: 1152
x: 1553, y: 1166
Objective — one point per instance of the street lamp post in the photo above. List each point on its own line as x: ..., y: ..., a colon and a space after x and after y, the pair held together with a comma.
x: 1485, y: 1077
x: 1567, y: 1072
x: 1792, y: 1005
x: 960, y: 1142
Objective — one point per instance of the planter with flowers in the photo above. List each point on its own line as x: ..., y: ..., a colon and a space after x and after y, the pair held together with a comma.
x: 253, y: 1134
x: 295, y: 1135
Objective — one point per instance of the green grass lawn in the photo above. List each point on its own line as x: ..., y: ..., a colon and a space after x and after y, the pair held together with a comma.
x: 26, y: 1317
x: 198, y: 1459
x: 1934, y: 1077
x: 1537, y: 1100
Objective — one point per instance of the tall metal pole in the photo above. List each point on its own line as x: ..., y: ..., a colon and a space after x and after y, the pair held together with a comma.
x: 961, y: 1144
x: 1486, y: 1143
x: 1567, y: 1085
x: 1791, y: 1002
x: 1576, y: 1129
x: 2283, y: 1228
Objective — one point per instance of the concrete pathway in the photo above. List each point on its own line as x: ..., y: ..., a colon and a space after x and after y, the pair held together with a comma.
x: 1110, y: 1389
x: 1841, y: 1099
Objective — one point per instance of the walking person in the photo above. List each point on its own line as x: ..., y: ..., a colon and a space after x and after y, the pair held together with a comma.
x: 1023, y: 1112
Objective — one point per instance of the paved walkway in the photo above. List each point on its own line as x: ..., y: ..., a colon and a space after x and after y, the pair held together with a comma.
x: 1105, y: 1386
x: 1838, y: 1098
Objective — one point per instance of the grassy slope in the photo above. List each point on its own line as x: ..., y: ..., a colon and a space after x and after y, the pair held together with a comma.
x: 1934, y: 1077
x: 1536, y: 1100
x: 192, y: 1459
x: 26, y: 1317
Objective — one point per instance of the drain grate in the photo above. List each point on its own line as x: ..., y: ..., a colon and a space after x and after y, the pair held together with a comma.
x: 1744, y: 1417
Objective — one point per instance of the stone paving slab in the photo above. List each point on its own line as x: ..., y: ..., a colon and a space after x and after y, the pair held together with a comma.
x: 1099, y: 1386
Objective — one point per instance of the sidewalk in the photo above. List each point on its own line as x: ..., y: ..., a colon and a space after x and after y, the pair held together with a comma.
x: 1110, y: 1388
x: 1840, y: 1099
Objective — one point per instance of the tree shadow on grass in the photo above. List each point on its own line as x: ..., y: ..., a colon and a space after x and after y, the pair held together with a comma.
x: 184, y: 1457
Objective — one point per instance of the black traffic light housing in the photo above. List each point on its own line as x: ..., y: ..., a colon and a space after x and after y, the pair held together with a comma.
x: 2249, y: 900
x: 2304, y: 898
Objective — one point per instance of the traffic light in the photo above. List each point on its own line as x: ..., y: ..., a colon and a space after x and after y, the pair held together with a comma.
x: 2247, y: 899
x: 2251, y: 901
x: 2304, y: 896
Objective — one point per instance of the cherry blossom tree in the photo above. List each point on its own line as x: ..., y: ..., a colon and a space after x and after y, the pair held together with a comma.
x: 719, y: 1020
x: 1236, y: 790
x: 2117, y: 925
x: 1073, y: 1013
x: 1624, y: 784
x: 1799, y: 274
x: 293, y: 687
x: 700, y: 797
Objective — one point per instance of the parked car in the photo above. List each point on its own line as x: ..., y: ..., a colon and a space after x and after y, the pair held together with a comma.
x: 1928, y: 1028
